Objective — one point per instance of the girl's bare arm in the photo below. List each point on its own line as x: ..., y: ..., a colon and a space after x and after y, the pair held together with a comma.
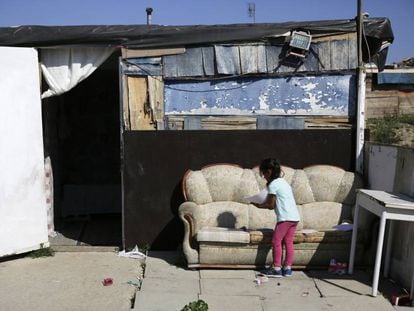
x: 270, y: 202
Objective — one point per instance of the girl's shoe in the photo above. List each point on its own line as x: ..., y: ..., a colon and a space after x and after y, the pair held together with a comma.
x: 272, y: 273
x: 287, y: 272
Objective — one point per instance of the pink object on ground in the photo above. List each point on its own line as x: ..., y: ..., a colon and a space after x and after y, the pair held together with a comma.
x: 107, y: 282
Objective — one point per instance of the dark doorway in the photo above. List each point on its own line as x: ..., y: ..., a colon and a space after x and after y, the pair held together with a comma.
x: 81, y: 134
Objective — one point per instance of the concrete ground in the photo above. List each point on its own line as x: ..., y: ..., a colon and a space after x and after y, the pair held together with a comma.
x: 69, y: 281
x: 167, y: 285
x: 73, y: 281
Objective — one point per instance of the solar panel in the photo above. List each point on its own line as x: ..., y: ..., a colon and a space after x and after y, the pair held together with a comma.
x: 300, y: 40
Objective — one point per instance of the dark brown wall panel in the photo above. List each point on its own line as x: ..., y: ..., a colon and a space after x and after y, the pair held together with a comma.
x: 154, y: 163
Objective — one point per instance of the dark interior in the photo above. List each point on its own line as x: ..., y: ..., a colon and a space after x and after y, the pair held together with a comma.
x: 81, y: 135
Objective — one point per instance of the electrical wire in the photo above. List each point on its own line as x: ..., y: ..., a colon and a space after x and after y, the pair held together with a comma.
x: 366, y: 43
x: 196, y: 91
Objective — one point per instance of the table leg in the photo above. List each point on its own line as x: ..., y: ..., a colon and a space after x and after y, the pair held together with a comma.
x: 412, y: 291
x: 378, y: 255
x: 388, y: 248
x: 354, y: 239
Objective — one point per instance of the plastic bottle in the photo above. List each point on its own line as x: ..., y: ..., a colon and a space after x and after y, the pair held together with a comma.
x: 332, y: 265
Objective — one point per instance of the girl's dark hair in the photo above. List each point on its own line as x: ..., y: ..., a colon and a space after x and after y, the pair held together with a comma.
x: 273, y: 165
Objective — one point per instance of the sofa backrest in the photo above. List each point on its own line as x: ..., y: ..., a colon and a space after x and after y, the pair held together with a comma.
x: 226, y: 182
x: 325, y: 183
x: 221, y: 182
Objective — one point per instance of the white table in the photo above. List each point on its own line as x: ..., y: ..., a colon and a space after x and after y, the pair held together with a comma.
x: 387, y: 206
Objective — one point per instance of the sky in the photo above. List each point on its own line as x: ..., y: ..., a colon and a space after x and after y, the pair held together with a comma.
x: 194, y: 12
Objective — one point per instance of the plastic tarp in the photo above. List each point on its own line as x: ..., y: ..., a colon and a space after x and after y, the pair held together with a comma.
x: 154, y: 36
x: 396, y: 78
x: 377, y: 30
x: 64, y: 68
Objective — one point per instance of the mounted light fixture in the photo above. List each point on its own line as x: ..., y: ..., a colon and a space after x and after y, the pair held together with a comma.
x: 299, y: 43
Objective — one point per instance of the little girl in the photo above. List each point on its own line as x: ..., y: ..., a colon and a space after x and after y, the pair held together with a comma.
x: 280, y: 198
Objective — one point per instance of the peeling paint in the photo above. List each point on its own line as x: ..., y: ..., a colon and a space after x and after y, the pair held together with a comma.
x: 316, y: 95
x: 263, y: 102
x: 309, y: 87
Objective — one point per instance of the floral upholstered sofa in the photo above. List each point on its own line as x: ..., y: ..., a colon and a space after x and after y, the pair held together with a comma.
x: 223, y: 230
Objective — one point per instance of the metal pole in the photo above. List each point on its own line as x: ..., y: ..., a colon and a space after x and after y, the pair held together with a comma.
x: 354, y: 237
x: 122, y: 99
x: 360, y: 117
x: 149, y: 16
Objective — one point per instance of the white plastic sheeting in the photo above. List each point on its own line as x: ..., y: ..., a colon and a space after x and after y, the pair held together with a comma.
x: 49, y: 197
x: 64, y: 68
x: 23, y: 220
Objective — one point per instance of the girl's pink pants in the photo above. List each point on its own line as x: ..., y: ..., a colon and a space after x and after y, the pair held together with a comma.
x: 284, y: 233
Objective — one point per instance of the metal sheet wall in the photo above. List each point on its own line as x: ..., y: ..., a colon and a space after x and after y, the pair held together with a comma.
x: 231, y: 59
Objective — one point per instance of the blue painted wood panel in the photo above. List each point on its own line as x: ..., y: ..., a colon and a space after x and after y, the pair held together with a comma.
x: 395, y: 78
x: 329, y: 95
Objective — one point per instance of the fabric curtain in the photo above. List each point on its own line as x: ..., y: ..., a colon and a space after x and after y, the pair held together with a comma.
x: 65, y: 68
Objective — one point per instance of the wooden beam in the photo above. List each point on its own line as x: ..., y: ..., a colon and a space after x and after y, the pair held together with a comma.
x: 156, y: 98
x: 140, y: 117
x: 328, y: 120
x: 232, y: 123
x: 125, y: 103
x: 129, y: 53
x: 175, y: 123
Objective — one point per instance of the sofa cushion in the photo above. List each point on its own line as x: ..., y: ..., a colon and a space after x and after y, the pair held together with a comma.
x: 287, y: 174
x: 324, y: 181
x: 196, y: 188
x: 227, y: 214
x: 261, y: 218
x: 222, y: 181
x: 347, y: 189
x: 223, y: 235
x: 301, y: 188
x: 323, y: 215
x: 246, y: 187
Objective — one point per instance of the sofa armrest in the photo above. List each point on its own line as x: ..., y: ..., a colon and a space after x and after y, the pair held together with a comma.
x: 187, y: 212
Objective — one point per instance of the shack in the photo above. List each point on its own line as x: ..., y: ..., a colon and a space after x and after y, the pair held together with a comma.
x: 126, y: 110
